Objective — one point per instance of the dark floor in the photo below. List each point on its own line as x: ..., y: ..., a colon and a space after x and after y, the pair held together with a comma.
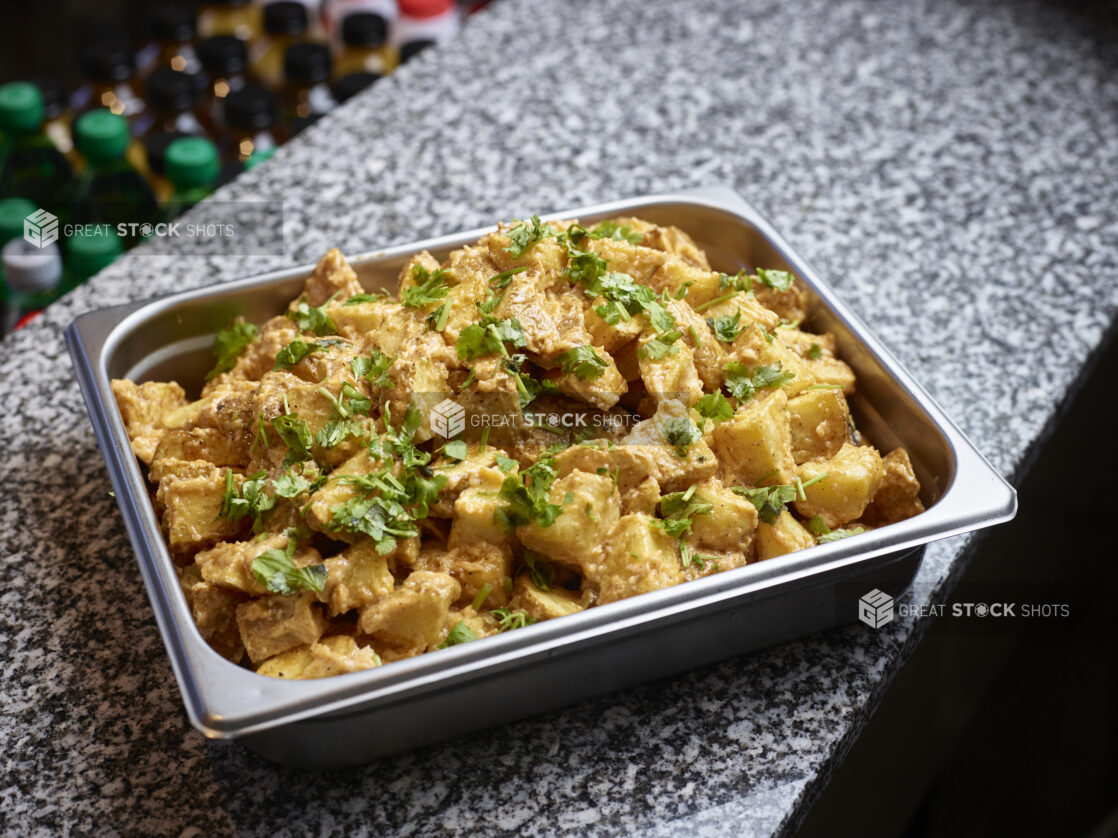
x: 1010, y: 727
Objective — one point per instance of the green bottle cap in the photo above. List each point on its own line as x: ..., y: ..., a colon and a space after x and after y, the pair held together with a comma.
x: 13, y: 211
x: 101, y: 135
x: 191, y: 162
x: 258, y: 157
x: 92, y: 247
x: 21, y: 108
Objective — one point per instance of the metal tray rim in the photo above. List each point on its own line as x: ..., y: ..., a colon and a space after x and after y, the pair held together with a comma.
x: 247, y: 702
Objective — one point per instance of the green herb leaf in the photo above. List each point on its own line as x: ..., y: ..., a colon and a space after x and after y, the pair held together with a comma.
x: 525, y: 236
x: 505, y: 464
x: 743, y: 382
x: 456, y: 449
x: 274, y: 570
x: 728, y: 327
x: 835, y: 535
x: 358, y: 299
x: 511, y: 620
x: 228, y: 346
x: 251, y: 499
x: 313, y: 320
x: 777, y: 280
x: 461, y: 633
x: 526, y: 497
x: 815, y: 352
x: 661, y: 346
x: 680, y: 432
x: 610, y: 229
x: 584, y: 363
x: 438, y: 318
x: 489, y: 338
x: 770, y: 501
x: 429, y: 288
x: 715, y: 406
x: 502, y: 280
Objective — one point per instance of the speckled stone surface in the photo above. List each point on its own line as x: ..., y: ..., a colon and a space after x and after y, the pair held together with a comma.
x: 949, y: 167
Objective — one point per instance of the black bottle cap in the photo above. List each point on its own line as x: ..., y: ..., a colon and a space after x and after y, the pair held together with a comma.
x: 106, y: 62
x: 223, y: 55
x: 413, y: 48
x: 252, y: 108
x: 285, y: 17
x: 349, y: 86
x: 307, y: 63
x: 171, y: 22
x: 364, y: 29
x: 171, y: 91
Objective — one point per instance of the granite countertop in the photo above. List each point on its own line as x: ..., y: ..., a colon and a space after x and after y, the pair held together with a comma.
x: 949, y: 167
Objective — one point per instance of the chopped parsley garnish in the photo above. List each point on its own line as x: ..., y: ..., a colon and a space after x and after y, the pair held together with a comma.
x: 815, y: 352
x: 374, y: 368
x: 585, y: 267
x: 728, y: 327
x: 526, y: 497
x: 429, y: 288
x: 541, y: 573
x: 275, y: 571
x: 228, y: 346
x: 295, y: 435
x: 743, y: 382
x: 456, y: 449
x: 680, y: 432
x: 661, y: 346
x: 715, y: 406
x: 358, y: 299
x: 251, y: 499
x: 502, y: 280
x: 625, y: 297
x: 770, y: 501
x: 291, y: 485
x: 297, y: 350
x: 437, y: 319
x: 510, y: 620
x: 489, y: 338
x: 524, y: 236
x: 505, y: 464
x: 584, y: 363
x: 461, y: 633
x: 777, y: 280
x: 313, y: 320
x: 609, y: 229
x: 382, y: 517
x: 741, y: 281
x: 835, y: 535
x: 678, y: 509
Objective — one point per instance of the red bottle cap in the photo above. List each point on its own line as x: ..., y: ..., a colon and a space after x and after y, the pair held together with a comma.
x: 425, y: 8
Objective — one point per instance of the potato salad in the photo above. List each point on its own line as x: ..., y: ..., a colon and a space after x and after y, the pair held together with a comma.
x: 554, y: 418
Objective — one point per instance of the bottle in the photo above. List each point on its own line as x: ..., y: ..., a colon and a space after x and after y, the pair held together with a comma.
x: 30, y: 165
x: 225, y: 61
x: 13, y: 212
x: 58, y: 117
x: 193, y: 167
x: 237, y: 18
x: 110, y: 190
x: 170, y: 115
x: 89, y: 249
x: 365, y: 47
x: 109, y: 81
x: 306, y: 94
x: 251, y: 123
x: 411, y: 49
x: 335, y: 11
x: 350, y: 85
x: 258, y: 157
x: 172, y: 29
x: 285, y: 23
x: 426, y: 20
x: 33, y: 276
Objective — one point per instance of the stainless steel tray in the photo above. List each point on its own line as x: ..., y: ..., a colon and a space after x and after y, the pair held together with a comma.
x: 352, y: 718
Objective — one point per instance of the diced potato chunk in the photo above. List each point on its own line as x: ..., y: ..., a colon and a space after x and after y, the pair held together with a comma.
x: 756, y: 445
x: 332, y: 277
x: 356, y: 577
x: 475, y: 565
x: 654, y: 436
x: 852, y: 477
x: 273, y: 624
x: 898, y: 495
x: 473, y: 519
x: 673, y: 377
x: 639, y: 557
x: 579, y: 532
x: 785, y: 535
x: 818, y: 420
x: 143, y: 407
x: 543, y: 605
x: 411, y: 619
x: 192, y: 511
x: 334, y: 655
x: 642, y: 498
x: 729, y: 526
x: 229, y: 564
x: 215, y: 613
